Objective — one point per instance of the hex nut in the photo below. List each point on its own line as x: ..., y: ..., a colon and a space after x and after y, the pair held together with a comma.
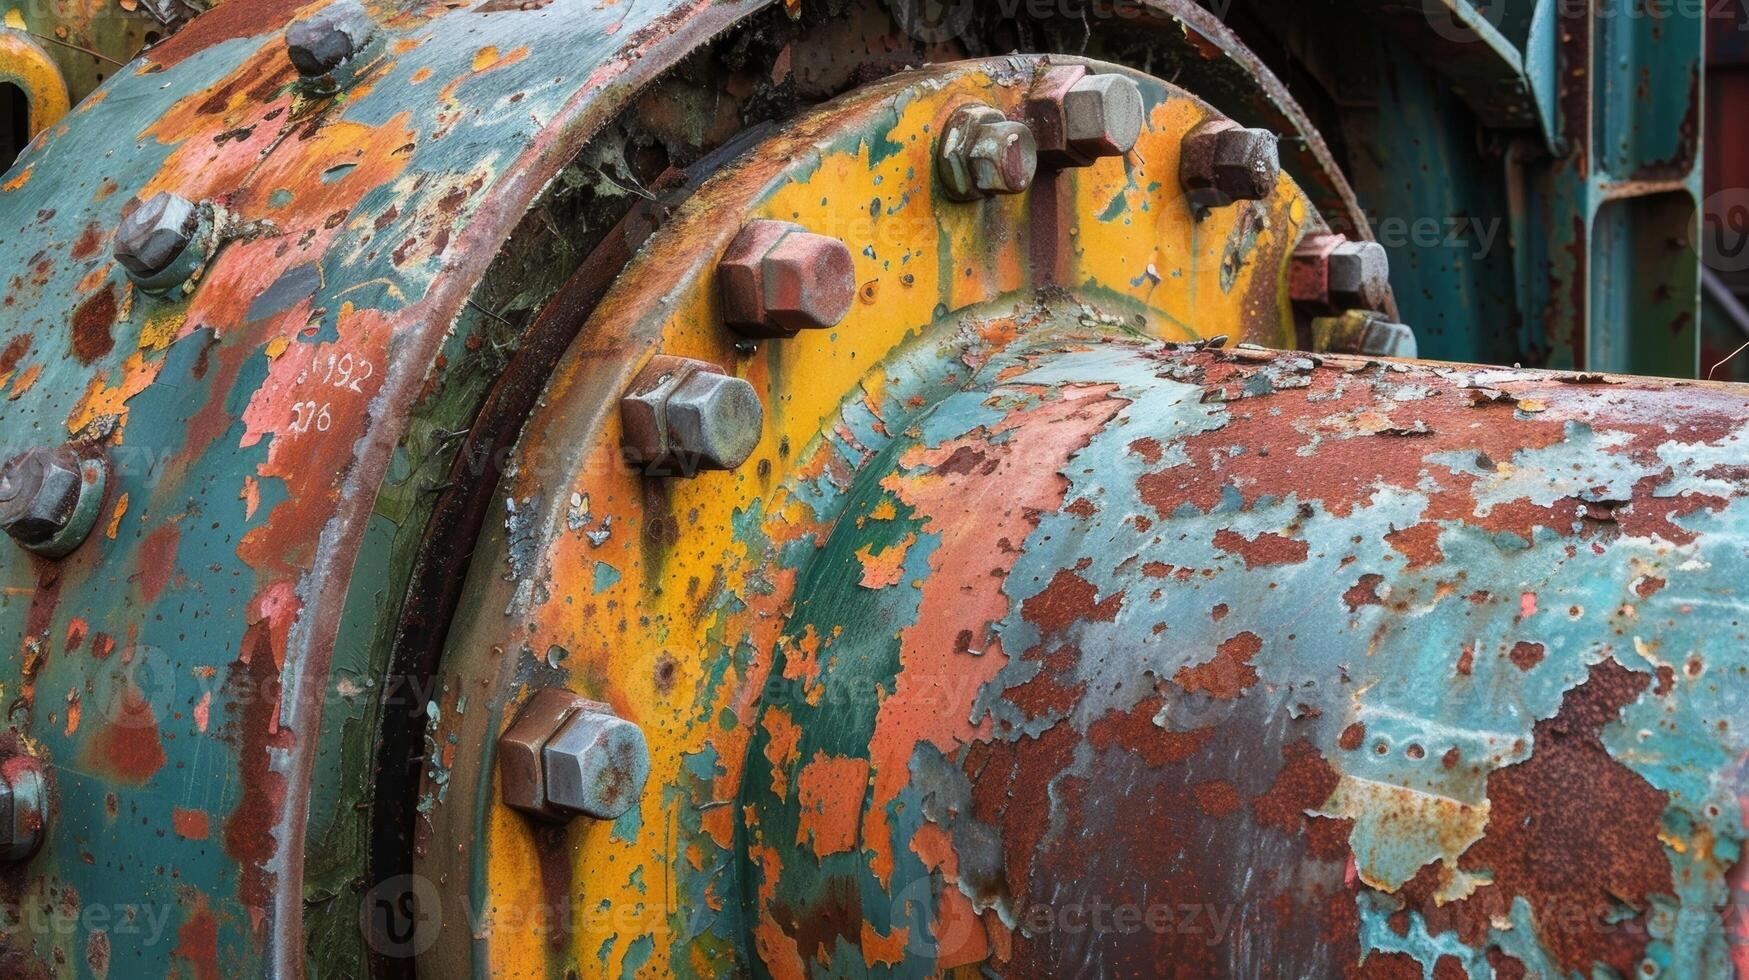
x: 1222, y: 162
x: 329, y: 39
x: 1330, y: 274
x: 1104, y: 115
x: 1363, y: 332
x: 596, y: 765
x: 23, y: 808
x: 680, y: 417
x: 777, y: 279
x: 49, y: 498
x: 154, y: 234
x: 715, y: 419
x: 1080, y: 118
x: 521, y: 783
x: 983, y: 153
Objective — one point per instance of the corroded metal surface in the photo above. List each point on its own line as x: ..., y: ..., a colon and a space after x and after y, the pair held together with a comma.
x: 1000, y: 575
x: 173, y: 672
x: 1368, y: 647
x: 1395, y: 665
x: 1065, y: 651
x: 609, y: 582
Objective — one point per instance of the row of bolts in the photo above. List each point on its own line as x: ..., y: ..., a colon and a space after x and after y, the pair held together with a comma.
x: 775, y: 280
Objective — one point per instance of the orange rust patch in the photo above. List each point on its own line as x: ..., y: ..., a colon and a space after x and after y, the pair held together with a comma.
x: 1591, y: 880
x: 1217, y: 798
x: 11, y: 354
x: 1525, y: 654
x: 92, y: 323
x: 1229, y: 674
x: 1067, y: 600
x: 830, y: 790
x: 128, y: 747
x: 115, y: 515
x: 197, y: 941
x: 781, y: 750
x: 157, y: 561
x: 887, y: 950
x: 25, y: 381
x: 1419, y: 544
x: 192, y: 824
x: 886, y: 568
x: 1135, y: 729
x: 1364, y: 592
x: 88, y: 242
x: 1304, y: 783
x: 1264, y: 550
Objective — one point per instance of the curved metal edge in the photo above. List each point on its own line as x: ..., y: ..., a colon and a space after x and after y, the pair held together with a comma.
x: 24, y: 63
x: 646, y: 55
x: 1307, y: 157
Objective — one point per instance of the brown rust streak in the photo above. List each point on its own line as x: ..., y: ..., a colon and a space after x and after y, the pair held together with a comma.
x: 1337, y: 420
x: 1588, y: 882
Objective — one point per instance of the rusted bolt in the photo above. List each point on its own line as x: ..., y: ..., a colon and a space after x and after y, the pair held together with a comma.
x: 565, y: 756
x: 330, y: 43
x: 682, y: 416
x: 1331, y: 275
x: 159, y: 240
x: 1221, y: 162
x: 778, y: 279
x: 23, y: 808
x: 1363, y: 332
x: 1078, y: 118
x: 596, y: 765
x: 49, y: 498
x: 983, y: 153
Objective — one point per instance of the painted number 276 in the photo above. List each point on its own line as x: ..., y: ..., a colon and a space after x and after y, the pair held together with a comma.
x: 310, y: 415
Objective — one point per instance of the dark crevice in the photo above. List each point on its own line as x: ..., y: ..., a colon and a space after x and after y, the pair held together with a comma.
x: 14, y: 123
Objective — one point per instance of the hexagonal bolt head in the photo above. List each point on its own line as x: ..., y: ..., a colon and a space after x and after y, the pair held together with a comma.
x: 1330, y: 275
x: 778, y: 279
x: 1363, y: 332
x: 153, y: 234
x: 1222, y: 162
x: 49, y: 498
x: 983, y: 153
x: 1078, y: 118
x: 596, y: 765
x: 565, y: 755
x: 23, y: 809
x: 521, y: 773
x: 681, y: 417
x: 329, y: 38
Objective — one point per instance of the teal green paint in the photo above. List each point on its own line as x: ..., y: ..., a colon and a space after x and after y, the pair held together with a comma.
x: 606, y: 576
x: 637, y: 954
